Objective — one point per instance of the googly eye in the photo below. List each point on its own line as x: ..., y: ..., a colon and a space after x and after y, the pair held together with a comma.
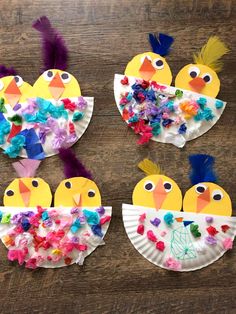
x: 48, y: 75
x: 167, y: 186
x: 194, y: 72
x: 200, y: 188
x: 149, y: 186
x: 9, y: 193
x: 144, y: 57
x: 158, y: 64
x: 207, y: 78
x: 217, y: 195
x: 35, y: 183
x: 68, y: 185
x: 65, y: 77
x: 91, y: 193
x: 19, y: 81
x: 1, y: 85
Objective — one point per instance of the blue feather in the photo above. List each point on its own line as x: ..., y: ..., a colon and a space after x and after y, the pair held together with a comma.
x: 161, y: 44
x: 202, y: 168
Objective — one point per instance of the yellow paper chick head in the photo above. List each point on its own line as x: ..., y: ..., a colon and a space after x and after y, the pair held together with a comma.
x: 205, y: 196
x: 152, y: 66
x: 27, y: 191
x: 78, y: 189
x: 14, y: 90
x: 156, y: 190
x: 202, y: 76
x: 56, y: 84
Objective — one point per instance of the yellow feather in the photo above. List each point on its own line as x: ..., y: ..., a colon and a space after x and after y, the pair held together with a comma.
x: 148, y: 167
x: 211, y: 53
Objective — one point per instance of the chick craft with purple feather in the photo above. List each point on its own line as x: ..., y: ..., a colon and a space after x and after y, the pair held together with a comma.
x: 38, y: 235
x: 53, y: 115
x: 180, y: 240
x: 158, y: 111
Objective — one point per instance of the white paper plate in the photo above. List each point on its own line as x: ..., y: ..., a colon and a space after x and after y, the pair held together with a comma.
x: 80, y: 126
x: 92, y: 241
x: 178, y: 239
x: 171, y: 135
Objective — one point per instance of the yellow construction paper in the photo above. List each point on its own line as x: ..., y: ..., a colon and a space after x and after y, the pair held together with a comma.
x: 183, y: 79
x: 52, y: 84
x: 25, y: 90
x: 205, y: 203
x: 157, y: 196
x: 161, y: 74
x: 27, y: 192
x: 77, y: 191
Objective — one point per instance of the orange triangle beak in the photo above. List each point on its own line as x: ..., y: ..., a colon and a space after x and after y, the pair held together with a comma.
x: 159, y: 194
x: 147, y: 70
x: 12, y: 93
x: 25, y: 193
x: 56, y: 86
x: 203, y: 200
x: 197, y: 84
x: 78, y: 199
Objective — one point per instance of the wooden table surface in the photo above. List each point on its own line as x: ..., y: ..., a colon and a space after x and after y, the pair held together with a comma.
x: 102, y: 36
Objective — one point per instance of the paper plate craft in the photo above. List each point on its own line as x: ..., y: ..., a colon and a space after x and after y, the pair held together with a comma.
x: 180, y: 240
x: 158, y: 111
x: 52, y: 237
x: 54, y: 115
x: 201, y: 76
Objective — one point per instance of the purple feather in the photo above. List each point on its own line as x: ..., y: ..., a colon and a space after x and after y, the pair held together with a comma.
x: 4, y: 71
x: 55, y: 53
x: 72, y: 166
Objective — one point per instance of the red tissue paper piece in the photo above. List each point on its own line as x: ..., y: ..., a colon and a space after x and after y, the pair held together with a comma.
x: 151, y: 236
x: 212, y: 231
x: 160, y: 245
x: 225, y: 228
x: 105, y: 219
x: 140, y: 229
x: 125, y: 81
x: 142, y: 217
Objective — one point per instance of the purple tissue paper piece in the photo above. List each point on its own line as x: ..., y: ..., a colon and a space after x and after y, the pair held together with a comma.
x: 210, y: 240
x: 155, y: 222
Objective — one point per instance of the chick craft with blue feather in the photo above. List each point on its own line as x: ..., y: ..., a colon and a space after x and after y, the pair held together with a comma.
x: 39, y: 235
x: 158, y: 111
x: 35, y: 122
x: 180, y: 240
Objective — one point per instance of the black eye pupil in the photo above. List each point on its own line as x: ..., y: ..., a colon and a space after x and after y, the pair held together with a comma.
x: 91, y: 194
x: 68, y: 185
x: 10, y: 193
x: 193, y: 74
x: 206, y: 78
x: 217, y: 197
x: 64, y: 76
x: 148, y: 186
x: 35, y: 183
x: 200, y: 189
x: 16, y: 79
x: 167, y: 186
x: 159, y: 63
x: 49, y: 74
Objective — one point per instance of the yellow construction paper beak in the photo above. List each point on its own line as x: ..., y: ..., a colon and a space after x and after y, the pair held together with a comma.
x: 159, y: 194
x: 56, y: 86
x: 203, y: 200
x: 12, y: 93
x: 25, y: 193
